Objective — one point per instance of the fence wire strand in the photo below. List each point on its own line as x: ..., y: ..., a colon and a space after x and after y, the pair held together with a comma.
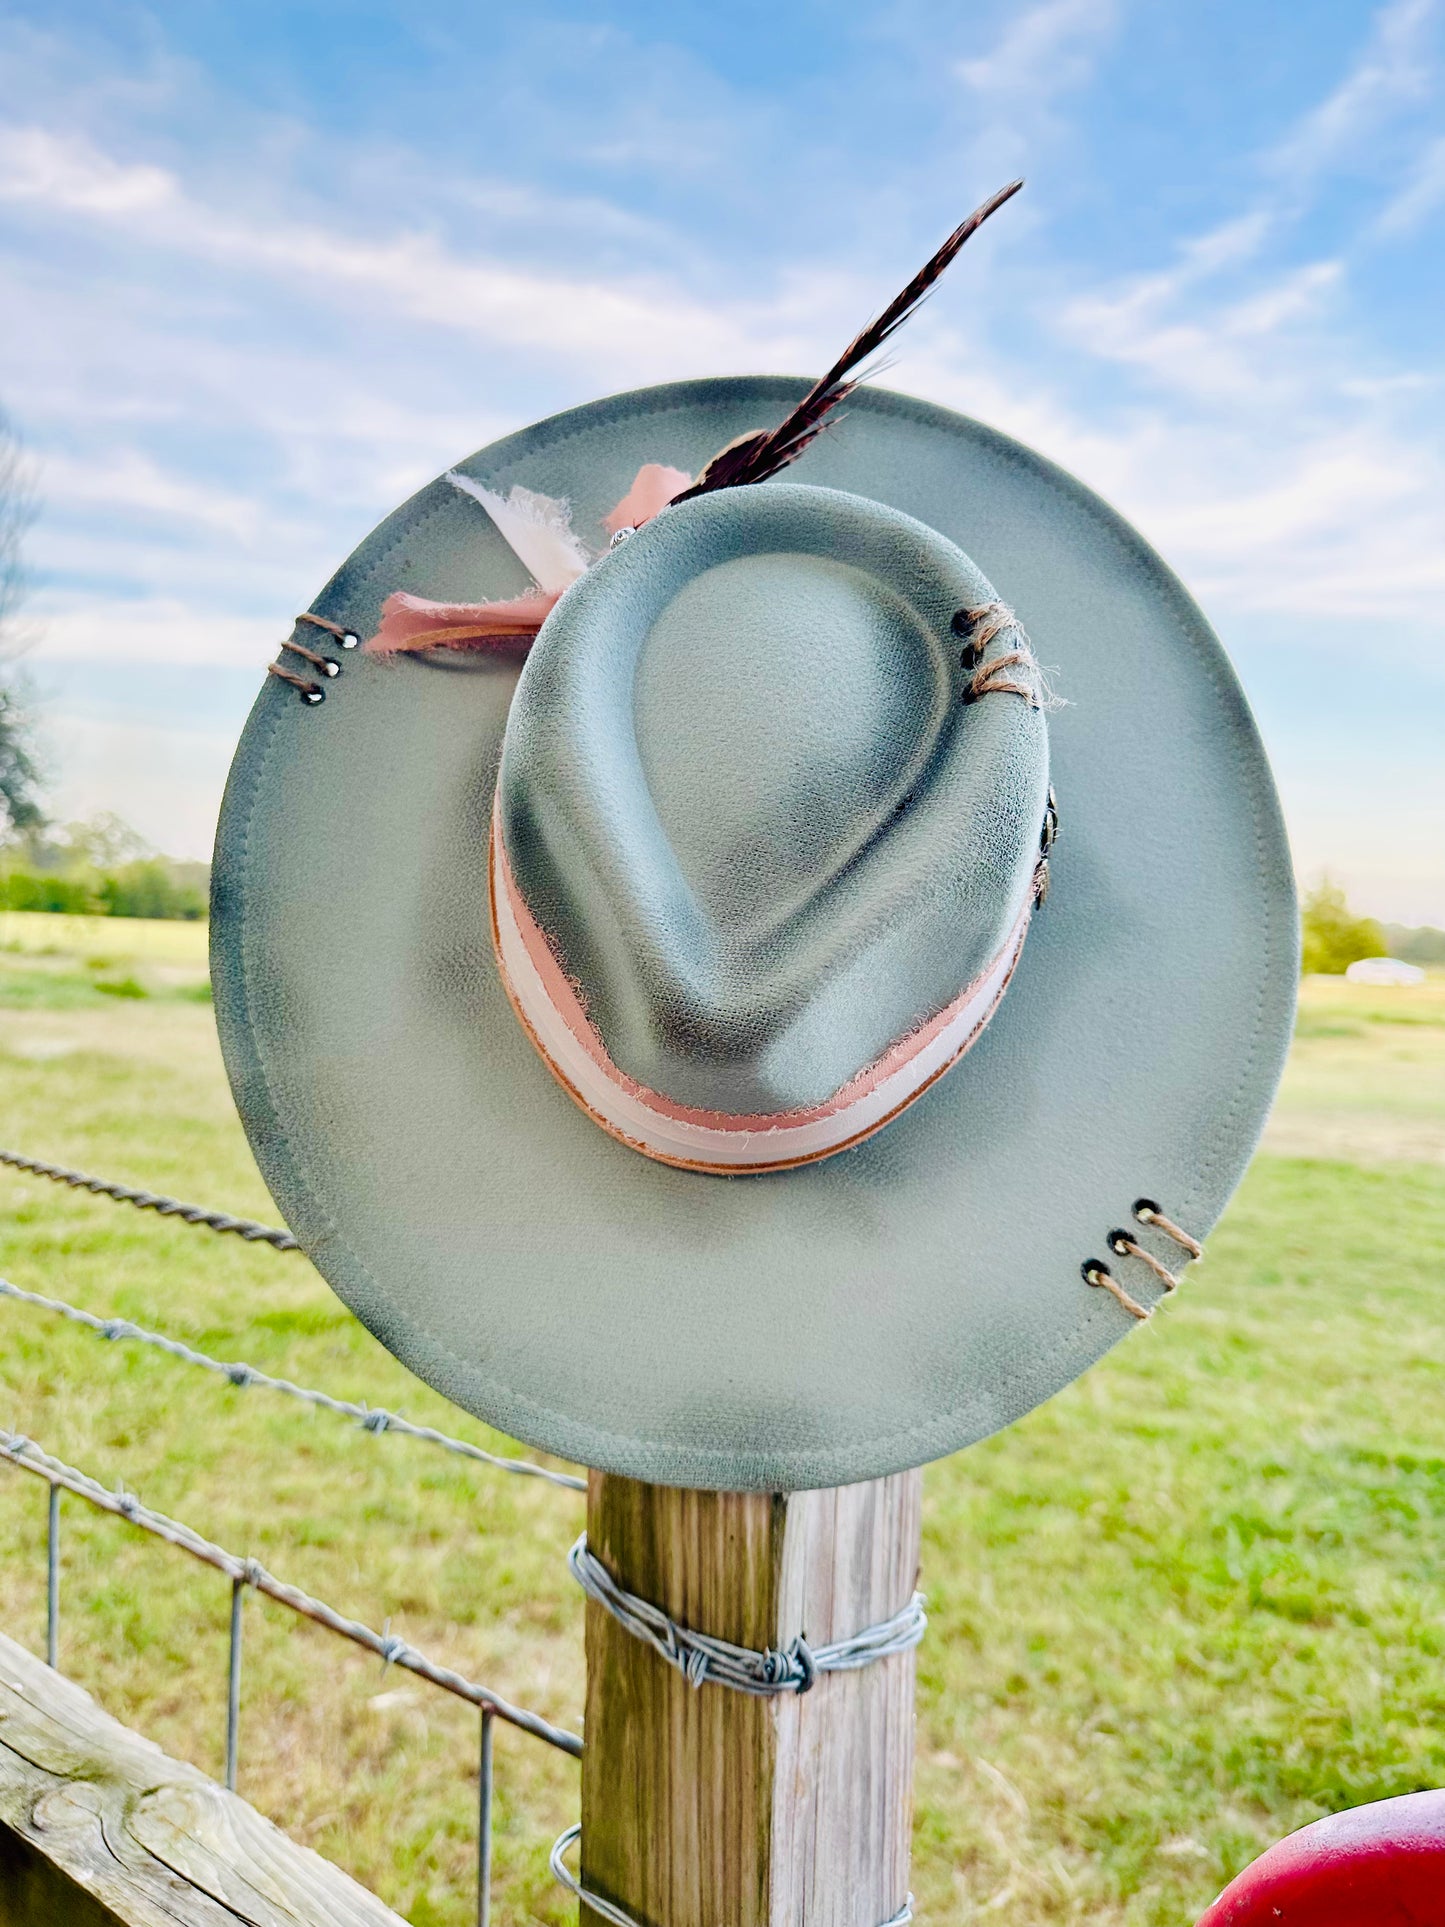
x: 32, y: 1458
x: 371, y: 1418
x: 164, y: 1207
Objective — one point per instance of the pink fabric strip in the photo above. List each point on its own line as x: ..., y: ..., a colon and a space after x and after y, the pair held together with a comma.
x: 411, y: 622
x: 563, y: 1000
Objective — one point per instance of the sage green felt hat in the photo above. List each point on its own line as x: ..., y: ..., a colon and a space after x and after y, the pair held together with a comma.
x: 801, y: 1013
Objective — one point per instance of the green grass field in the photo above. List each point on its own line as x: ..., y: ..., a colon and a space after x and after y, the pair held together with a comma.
x: 1193, y: 1602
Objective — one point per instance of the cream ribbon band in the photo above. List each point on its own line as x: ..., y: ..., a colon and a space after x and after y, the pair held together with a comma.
x: 711, y: 1141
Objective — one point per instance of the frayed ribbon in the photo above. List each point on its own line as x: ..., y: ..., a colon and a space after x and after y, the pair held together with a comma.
x: 538, y: 530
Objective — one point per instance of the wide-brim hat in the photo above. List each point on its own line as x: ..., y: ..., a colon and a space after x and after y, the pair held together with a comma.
x: 932, y: 1278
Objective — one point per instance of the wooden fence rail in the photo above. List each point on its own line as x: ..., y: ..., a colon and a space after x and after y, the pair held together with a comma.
x: 99, y: 1828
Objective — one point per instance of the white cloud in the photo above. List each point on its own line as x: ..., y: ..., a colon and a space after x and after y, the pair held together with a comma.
x: 1421, y: 195
x: 1045, y: 51
x: 1215, y: 352
x: 84, y: 627
x: 69, y: 176
x: 642, y: 327
x: 250, y: 377
x: 1043, y: 54
x: 129, y: 482
x: 1395, y: 70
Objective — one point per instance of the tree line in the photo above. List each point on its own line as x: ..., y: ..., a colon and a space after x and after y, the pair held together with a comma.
x: 97, y: 868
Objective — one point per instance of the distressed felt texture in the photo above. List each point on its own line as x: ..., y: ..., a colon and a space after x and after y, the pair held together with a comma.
x: 804, y: 1328
x: 744, y: 799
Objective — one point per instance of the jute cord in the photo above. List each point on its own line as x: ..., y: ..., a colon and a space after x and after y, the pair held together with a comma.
x: 1147, y: 1212
x: 983, y: 626
x: 1099, y: 1275
x: 1125, y: 1245
x: 309, y: 690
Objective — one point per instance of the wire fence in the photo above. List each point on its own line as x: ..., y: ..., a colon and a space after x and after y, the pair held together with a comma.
x: 244, y: 1573
x: 236, y: 1372
x: 157, y: 1201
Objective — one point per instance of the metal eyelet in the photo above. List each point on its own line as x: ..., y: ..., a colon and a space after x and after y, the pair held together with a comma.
x: 1050, y: 833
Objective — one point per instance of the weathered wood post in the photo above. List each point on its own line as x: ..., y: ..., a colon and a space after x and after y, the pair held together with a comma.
x: 705, y: 1805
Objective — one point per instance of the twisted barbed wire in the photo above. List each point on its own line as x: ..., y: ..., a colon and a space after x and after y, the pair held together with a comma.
x: 371, y: 1418
x: 701, y: 1658
x: 30, y: 1457
x: 156, y: 1201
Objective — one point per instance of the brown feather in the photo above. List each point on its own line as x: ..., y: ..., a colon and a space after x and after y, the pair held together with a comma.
x: 756, y: 456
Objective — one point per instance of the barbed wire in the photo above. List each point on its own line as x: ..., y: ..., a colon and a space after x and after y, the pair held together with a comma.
x: 156, y: 1201
x: 372, y: 1419
x: 702, y: 1657
x: 30, y: 1457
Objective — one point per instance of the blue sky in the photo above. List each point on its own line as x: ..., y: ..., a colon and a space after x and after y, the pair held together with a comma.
x: 265, y: 268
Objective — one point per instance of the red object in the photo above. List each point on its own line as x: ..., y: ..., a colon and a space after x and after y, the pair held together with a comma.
x: 1376, y: 1866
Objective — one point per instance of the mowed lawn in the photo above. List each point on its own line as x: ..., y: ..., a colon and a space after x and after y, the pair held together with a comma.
x: 1195, y: 1601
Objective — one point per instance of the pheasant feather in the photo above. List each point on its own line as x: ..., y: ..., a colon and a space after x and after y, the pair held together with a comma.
x: 756, y: 456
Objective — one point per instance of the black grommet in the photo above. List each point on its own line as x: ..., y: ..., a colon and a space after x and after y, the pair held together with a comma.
x: 313, y: 695
x: 1143, y: 1208
x: 1048, y: 836
x: 962, y: 622
x: 970, y: 694
x: 969, y: 657
x: 1119, y: 1243
x: 1092, y: 1269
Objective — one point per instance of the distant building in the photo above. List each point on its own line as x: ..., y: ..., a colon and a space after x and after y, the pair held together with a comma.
x: 1384, y: 970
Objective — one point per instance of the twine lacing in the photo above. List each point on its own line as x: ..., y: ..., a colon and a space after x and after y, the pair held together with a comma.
x: 1147, y: 1212
x: 1125, y: 1245
x: 699, y: 1657
x: 327, y: 666
x: 618, y: 1916
x: 1098, y: 1274
x: 984, y: 625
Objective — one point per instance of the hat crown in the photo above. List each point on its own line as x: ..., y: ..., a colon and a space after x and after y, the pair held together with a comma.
x: 751, y: 826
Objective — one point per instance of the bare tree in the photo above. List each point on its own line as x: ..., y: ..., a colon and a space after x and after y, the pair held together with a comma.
x: 19, y: 776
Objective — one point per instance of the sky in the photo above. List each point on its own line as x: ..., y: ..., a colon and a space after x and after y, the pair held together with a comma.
x: 265, y: 268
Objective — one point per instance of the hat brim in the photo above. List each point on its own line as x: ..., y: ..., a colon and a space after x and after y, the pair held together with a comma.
x: 815, y: 1326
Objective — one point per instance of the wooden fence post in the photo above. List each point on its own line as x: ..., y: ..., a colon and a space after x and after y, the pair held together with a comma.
x: 703, y: 1805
